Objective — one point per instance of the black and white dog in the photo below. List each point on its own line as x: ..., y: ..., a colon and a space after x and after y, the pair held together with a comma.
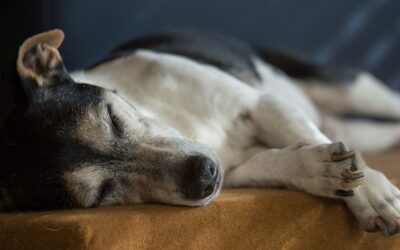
x: 166, y: 115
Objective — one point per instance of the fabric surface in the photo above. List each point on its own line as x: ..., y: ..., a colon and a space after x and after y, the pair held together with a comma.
x: 237, y: 219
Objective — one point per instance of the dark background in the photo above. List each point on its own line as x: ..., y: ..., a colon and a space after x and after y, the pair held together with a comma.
x: 358, y: 33
x: 361, y: 33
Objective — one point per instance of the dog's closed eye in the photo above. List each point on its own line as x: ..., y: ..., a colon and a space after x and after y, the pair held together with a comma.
x: 105, y: 189
x: 116, y: 123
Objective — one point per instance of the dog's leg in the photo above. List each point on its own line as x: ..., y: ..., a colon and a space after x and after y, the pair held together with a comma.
x: 376, y: 202
x: 358, y: 134
x: 279, y: 123
x: 329, y: 170
x: 364, y: 95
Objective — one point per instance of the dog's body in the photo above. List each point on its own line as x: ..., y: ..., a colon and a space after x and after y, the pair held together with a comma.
x: 261, y: 111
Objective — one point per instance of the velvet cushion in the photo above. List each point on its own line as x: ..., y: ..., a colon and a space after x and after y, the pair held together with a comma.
x: 237, y: 219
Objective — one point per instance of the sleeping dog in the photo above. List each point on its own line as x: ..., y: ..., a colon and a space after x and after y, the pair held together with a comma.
x: 172, y: 117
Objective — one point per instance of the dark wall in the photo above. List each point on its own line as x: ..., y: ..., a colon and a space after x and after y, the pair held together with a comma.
x: 361, y: 33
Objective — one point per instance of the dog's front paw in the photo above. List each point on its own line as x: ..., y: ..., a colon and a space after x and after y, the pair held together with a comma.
x: 376, y: 204
x: 330, y: 170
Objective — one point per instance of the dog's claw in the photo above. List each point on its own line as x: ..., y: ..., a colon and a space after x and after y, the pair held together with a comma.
x: 342, y: 156
x: 383, y: 229
x: 397, y: 228
x: 352, y: 179
x: 353, y: 175
x: 351, y: 184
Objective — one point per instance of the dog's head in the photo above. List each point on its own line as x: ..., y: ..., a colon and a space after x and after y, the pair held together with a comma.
x: 69, y: 144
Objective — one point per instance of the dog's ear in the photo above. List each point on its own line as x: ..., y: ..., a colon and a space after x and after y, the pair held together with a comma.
x: 40, y: 61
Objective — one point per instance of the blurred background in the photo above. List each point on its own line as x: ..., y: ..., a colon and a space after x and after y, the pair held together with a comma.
x: 360, y: 33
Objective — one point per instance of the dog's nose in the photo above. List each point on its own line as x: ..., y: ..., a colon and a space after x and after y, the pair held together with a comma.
x: 203, y: 178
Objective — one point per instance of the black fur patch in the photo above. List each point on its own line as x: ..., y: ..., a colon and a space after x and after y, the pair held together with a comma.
x: 232, y: 56
x: 223, y: 52
x: 34, y: 142
x: 300, y: 68
x: 368, y: 117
